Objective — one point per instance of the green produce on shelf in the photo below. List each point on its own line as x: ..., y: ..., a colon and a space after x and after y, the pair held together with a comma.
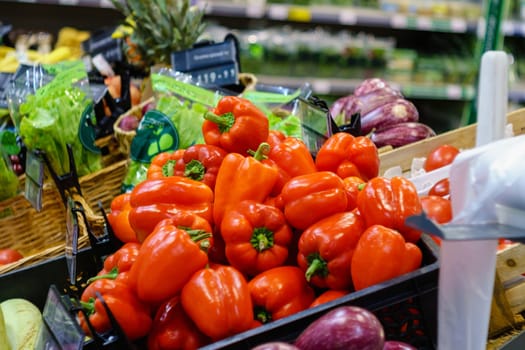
x: 52, y: 101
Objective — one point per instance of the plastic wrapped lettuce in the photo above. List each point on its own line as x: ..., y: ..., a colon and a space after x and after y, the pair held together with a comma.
x: 47, y: 103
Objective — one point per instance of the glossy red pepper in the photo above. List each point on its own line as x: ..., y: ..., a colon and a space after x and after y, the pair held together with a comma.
x: 382, y: 254
x: 353, y: 185
x: 118, y: 218
x: 176, y: 192
x: 118, y: 264
x: 172, y: 329
x: 257, y: 237
x: 201, y: 163
x: 312, y: 197
x: 132, y: 315
x: 236, y: 125
x: 242, y: 178
x: 326, y: 249
x: 292, y: 158
x: 347, y: 155
x: 143, y: 219
x: 280, y: 292
x: 389, y: 202
x: 163, y: 164
x: 217, y: 299
x: 167, y: 259
x: 328, y: 296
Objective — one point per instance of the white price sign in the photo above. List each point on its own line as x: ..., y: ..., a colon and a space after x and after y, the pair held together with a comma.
x: 347, y: 17
x: 278, y: 12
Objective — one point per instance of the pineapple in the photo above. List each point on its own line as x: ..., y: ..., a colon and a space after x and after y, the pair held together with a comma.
x: 160, y: 27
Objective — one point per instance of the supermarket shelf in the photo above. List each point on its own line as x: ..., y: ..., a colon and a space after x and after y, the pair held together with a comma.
x: 320, y: 15
x: 450, y: 92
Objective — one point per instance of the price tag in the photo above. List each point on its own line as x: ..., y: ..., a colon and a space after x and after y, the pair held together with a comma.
x: 278, y: 12
x: 321, y: 86
x: 347, y: 17
x: 424, y: 23
x: 106, y: 4
x: 5, y: 78
x: 255, y: 8
x: 68, y: 2
x: 454, y: 92
x: 399, y: 21
x: 299, y: 14
x: 509, y: 28
x: 458, y: 25
x: 34, y: 180
x: 60, y: 330
x: 71, y: 240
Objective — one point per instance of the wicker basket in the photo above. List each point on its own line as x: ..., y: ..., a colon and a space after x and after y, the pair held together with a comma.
x: 41, y: 235
x: 124, y: 137
x: 38, y: 235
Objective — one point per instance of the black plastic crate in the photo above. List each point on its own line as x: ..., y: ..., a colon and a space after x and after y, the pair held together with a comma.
x: 406, y: 306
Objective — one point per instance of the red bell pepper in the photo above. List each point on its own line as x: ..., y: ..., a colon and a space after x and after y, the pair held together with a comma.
x: 143, y: 219
x: 256, y: 237
x: 163, y: 164
x: 382, y: 254
x: 347, y: 155
x: 217, y: 299
x: 176, y: 192
x: 173, y: 329
x: 353, y: 185
x: 167, y: 259
x: 312, y: 197
x: 328, y: 296
x: 280, y: 292
x: 201, y: 163
x: 275, y: 137
x: 326, y: 249
x: 236, y: 125
x: 242, y: 178
x: 118, y: 264
x: 118, y: 218
x: 292, y: 158
x: 389, y: 202
x: 132, y: 315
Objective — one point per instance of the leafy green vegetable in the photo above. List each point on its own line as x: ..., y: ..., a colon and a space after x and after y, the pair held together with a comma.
x: 289, y: 125
x: 51, y: 119
x: 187, y: 117
x: 8, y: 179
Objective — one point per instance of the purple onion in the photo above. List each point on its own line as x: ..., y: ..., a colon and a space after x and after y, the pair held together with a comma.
x: 370, y: 85
x: 397, y: 135
x: 394, y: 112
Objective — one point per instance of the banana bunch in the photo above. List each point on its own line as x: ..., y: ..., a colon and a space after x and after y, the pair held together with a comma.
x: 68, y: 47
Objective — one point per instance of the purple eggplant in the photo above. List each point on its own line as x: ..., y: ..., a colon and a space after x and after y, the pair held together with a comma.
x: 370, y: 85
x: 397, y: 135
x: 276, y: 346
x: 346, y: 327
x: 394, y: 112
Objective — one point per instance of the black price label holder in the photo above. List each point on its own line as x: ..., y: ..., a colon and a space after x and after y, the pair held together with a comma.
x: 60, y: 329
x: 34, y: 183
x: 104, y: 44
x: 210, y: 63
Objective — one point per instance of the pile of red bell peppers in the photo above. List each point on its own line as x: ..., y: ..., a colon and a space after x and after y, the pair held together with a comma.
x: 249, y: 228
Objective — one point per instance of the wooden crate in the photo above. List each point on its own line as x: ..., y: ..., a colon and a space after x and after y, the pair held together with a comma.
x: 508, y: 302
x: 462, y: 138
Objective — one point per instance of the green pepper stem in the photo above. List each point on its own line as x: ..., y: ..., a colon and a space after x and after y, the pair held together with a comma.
x: 262, y: 315
x: 224, y: 121
x: 262, y: 151
x: 88, y: 306
x: 361, y: 186
x: 111, y: 275
x: 316, y: 266
x: 194, y: 170
x: 262, y: 239
x: 168, y: 169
